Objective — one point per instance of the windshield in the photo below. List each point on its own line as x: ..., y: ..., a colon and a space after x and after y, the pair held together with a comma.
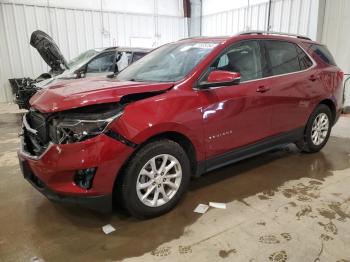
x: 168, y: 63
x: 82, y: 58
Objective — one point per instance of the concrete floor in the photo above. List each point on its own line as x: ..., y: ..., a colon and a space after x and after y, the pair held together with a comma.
x: 281, y: 206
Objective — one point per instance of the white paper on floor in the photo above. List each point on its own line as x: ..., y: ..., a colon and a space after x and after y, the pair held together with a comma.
x: 107, y: 229
x: 201, y: 208
x: 217, y: 205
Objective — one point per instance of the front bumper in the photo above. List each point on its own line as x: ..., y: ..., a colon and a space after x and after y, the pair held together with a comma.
x: 52, y: 173
x: 102, y: 203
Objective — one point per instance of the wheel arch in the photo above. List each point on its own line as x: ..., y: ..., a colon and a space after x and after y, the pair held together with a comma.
x: 183, y: 141
x: 330, y: 103
x: 175, y: 136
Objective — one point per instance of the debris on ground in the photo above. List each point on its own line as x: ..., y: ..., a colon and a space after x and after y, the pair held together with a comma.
x: 107, y: 229
x: 217, y: 205
x: 201, y: 208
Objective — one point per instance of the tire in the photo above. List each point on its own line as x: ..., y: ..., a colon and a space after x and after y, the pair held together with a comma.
x: 316, y: 137
x: 176, y: 161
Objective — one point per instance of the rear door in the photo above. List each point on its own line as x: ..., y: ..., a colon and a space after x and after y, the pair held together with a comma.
x: 293, y: 86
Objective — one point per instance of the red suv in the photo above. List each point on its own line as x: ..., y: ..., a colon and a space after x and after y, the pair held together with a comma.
x: 182, y: 110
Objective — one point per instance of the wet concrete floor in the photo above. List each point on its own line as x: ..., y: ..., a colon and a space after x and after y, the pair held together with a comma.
x: 281, y: 206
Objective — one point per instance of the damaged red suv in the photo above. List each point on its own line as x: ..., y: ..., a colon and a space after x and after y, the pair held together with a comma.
x: 182, y: 110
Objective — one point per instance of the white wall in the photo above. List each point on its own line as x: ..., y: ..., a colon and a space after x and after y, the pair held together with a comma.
x: 336, y: 31
x: 79, y: 25
x: 336, y: 35
x: 165, y: 7
x: 217, y: 6
x: 227, y: 17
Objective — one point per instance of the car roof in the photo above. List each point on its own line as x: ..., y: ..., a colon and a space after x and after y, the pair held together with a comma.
x: 251, y: 35
x: 124, y: 49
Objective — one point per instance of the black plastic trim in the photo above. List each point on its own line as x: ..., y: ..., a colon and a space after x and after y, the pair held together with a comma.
x: 250, y: 150
x: 120, y: 138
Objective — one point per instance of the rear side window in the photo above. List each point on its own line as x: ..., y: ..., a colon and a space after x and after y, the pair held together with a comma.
x: 323, y: 53
x: 137, y: 56
x: 285, y: 57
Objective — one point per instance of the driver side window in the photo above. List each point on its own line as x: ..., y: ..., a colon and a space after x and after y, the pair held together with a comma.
x: 102, y: 63
x: 244, y: 58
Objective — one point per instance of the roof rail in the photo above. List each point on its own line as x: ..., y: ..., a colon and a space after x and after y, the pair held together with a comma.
x: 274, y: 33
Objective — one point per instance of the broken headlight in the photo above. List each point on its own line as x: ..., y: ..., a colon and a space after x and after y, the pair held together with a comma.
x: 74, y: 128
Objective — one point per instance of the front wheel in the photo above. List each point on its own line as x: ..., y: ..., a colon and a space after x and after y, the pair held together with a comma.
x: 317, y: 130
x: 155, y: 179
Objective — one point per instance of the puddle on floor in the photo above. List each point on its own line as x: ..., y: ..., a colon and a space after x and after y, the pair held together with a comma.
x: 51, y: 231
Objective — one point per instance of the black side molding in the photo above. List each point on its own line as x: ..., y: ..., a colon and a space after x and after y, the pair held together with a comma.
x: 120, y: 138
x: 250, y: 150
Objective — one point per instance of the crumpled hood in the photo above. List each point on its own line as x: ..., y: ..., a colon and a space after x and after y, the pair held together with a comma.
x: 76, y: 93
x: 49, y: 51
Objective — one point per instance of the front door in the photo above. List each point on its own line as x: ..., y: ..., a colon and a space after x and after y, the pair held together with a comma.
x: 237, y: 115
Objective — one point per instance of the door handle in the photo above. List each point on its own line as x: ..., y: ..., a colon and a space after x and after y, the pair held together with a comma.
x: 313, y: 78
x: 262, y: 89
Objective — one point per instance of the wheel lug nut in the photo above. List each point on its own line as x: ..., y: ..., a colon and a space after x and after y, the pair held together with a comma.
x: 159, y: 185
x: 164, y: 179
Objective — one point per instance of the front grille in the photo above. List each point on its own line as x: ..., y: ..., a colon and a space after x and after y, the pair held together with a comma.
x: 37, y: 121
x: 36, y: 138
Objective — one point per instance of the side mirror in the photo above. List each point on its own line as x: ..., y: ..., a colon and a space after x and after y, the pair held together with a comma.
x: 221, y: 78
x: 80, y: 73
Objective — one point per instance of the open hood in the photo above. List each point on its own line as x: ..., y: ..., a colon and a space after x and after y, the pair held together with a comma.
x: 49, y: 51
x: 72, y: 94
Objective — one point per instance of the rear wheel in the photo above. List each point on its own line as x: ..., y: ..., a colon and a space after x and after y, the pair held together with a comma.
x: 317, y: 130
x: 155, y: 179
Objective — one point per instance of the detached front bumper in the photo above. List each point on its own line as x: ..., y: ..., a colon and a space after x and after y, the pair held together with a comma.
x: 53, y: 172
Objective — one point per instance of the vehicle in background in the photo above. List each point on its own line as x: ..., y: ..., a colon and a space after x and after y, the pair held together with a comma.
x: 93, y: 62
x: 186, y: 108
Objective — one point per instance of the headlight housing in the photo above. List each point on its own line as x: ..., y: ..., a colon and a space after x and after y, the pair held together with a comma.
x: 79, y: 125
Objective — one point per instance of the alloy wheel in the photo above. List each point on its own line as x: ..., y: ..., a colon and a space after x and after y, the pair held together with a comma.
x: 320, y: 128
x: 159, y: 180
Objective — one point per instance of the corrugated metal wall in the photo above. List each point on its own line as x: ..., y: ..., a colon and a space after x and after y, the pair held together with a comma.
x: 236, y: 20
x: 74, y: 30
x: 292, y: 16
x: 336, y: 36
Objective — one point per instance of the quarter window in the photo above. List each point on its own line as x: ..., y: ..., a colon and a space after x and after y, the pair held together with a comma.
x: 323, y: 52
x: 304, y: 60
x: 243, y: 58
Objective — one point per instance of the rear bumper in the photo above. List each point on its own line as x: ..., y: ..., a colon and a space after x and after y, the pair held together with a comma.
x: 53, y: 172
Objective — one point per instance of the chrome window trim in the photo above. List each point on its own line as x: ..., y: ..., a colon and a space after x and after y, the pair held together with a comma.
x: 314, y: 64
